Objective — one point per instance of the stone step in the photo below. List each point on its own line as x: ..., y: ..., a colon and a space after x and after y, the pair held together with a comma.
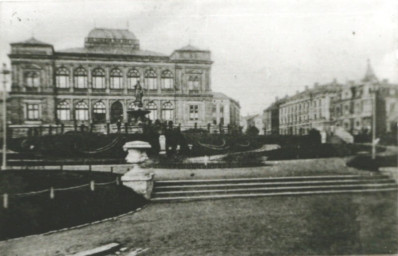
x: 285, y: 193
x: 269, y: 190
x: 271, y: 179
x: 260, y: 184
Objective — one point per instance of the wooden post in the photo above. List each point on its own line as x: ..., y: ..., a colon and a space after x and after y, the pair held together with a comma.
x: 51, y: 193
x: 62, y: 128
x: 5, y: 200
x: 117, y: 181
x: 92, y: 185
x: 89, y: 167
x: 108, y: 128
x: 111, y: 169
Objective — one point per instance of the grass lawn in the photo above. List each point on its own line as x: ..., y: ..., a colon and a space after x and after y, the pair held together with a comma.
x: 36, y: 213
x: 303, y: 225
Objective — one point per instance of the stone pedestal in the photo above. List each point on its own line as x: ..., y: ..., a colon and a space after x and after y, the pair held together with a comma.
x: 136, y: 178
x: 139, y: 181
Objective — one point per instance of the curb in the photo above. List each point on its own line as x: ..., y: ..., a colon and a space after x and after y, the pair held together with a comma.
x: 102, y: 250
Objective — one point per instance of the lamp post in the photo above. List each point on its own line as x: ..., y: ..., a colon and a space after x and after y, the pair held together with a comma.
x: 374, y: 101
x: 4, y: 72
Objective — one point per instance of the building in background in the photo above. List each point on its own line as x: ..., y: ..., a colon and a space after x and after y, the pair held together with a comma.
x: 255, y: 121
x: 330, y: 106
x: 308, y: 110
x: 353, y: 106
x: 271, y: 117
x: 94, y: 85
x: 226, y: 111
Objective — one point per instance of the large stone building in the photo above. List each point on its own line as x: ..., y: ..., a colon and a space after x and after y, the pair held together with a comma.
x: 355, y: 103
x: 326, y: 107
x: 94, y: 85
x: 307, y: 110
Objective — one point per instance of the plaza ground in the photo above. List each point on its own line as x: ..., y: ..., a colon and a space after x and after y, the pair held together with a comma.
x: 303, y: 225
x: 322, y: 224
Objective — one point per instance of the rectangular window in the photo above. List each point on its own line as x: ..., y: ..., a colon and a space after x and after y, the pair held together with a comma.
x: 80, y: 82
x: 153, y: 115
x: 151, y: 83
x: 63, y: 114
x: 32, y: 111
x: 62, y: 81
x: 98, y: 82
x: 167, y: 114
x: 132, y: 81
x: 81, y: 114
x: 116, y: 83
x: 167, y: 83
x: 193, y: 112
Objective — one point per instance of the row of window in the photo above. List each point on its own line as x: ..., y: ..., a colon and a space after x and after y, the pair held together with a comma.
x: 301, y: 107
x: 99, y: 111
x: 80, y: 79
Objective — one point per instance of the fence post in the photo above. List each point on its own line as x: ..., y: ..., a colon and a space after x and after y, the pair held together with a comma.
x: 61, y: 167
x: 5, y: 200
x: 89, y: 167
x: 117, y: 181
x: 111, y: 169
x: 51, y: 193
x: 92, y: 185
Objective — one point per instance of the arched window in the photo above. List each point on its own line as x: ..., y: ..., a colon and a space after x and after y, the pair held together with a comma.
x: 116, y: 79
x: 32, y: 78
x: 99, y: 112
x: 98, y: 78
x: 81, y: 111
x: 151, y: 106
x: 133, y: 76
x: 62, y: 78
x: 193, y: 83
x: 63, y: 111
x: 80, y: 78
x: 150, y: 80
x: 167, y: 80
x: 167, y: 111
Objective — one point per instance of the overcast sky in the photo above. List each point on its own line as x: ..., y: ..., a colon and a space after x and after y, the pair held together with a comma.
x: 261, y: 49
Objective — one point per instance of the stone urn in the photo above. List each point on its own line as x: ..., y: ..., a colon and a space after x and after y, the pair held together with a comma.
x: 138, y: 179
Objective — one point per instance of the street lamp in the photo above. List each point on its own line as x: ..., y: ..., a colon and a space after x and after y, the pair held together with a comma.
x: 374, y: 91
x: 4, y: 72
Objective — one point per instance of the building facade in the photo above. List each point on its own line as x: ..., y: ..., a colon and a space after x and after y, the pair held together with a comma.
x: 356, y: 102
x: 308, y: 110
x: 326, y: 107
x: 94, y: 85
x: 271, y: 117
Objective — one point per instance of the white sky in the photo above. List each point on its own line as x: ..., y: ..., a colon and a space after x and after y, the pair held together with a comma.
x: 261, y: 49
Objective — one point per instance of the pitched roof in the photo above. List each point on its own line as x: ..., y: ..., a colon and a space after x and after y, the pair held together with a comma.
x: 369, y: 75
x: 32, y: 41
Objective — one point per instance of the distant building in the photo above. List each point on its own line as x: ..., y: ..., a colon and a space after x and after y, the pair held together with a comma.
x: 255, y: 121
x: 226, y: 111
x: 354, y: 104
x: 307, y: 110
x: 326, y: 107
x: 271, y: 117
x: 94, y: 85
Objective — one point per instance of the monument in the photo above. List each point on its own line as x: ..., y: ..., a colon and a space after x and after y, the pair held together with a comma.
x: 139, y: 112
x: 137, y: 178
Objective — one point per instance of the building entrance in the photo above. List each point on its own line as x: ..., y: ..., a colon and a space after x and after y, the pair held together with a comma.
x: 116, y: 112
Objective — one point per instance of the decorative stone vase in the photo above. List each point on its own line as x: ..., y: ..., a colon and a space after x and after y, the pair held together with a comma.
x: 136, y: 178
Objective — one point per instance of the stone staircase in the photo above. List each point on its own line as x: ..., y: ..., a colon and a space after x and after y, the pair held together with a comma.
x: 185, y: 190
